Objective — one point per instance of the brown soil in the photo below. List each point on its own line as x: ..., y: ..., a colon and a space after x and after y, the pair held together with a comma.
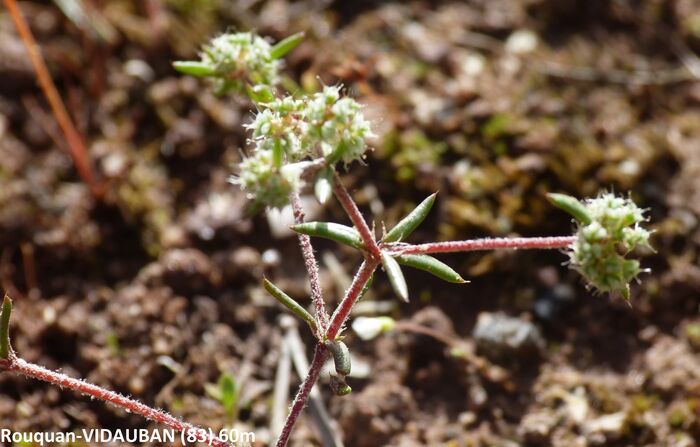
x: 154, y: 290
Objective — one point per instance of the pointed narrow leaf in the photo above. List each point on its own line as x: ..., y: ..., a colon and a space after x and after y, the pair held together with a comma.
x: 411, y: 221
x: 393, y: 271
x: 571, y: 205
x: 260, y: 94
x: 284, y: 46
x: 431, y: 265
x: 329, y: 230
x: 5, y: 327
x: 323, y: 188
x: 290, y: 304
x: 194, y: 68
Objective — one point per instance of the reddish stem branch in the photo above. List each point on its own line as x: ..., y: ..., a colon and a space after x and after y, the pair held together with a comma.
x: 320, y: 356
x: 484, y: 244
x: 75, y: 143
x: 355, y: 216
x: 342, y: 312
x: 311, y: 267
x: 24, y: 368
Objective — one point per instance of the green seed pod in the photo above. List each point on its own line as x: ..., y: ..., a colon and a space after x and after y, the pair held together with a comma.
x: 329, y: 230
x: 341, y: 356
x: 431, y: 265
x: 411, y: 221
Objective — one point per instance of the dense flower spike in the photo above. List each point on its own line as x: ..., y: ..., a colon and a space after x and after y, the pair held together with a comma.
x: 237, y: 58
x: 338, y: 125
x: 600, y: 250
x: 266, y: 184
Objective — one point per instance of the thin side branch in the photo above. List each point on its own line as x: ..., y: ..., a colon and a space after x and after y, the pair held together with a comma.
x: 75, y: 142
x: 342, y: 312
x: 521, y: 243
x: 26, y: 369
x: 320, y: 356
x: 355, y: 216
x: 311, y: 267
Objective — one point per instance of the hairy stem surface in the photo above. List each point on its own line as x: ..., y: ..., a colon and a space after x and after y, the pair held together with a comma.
x: 522, y: 243
x: 355, y: 216
x: 342, y: 312
x: 320, y: 356
x: 311, y: 267
x: 19, y: 366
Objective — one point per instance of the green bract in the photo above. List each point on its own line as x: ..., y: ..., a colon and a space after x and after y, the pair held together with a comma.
x: 600, y: 250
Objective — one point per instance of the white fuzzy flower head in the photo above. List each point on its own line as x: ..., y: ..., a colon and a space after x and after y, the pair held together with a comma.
x: 338, y: 125
x: 264, y: 183
x: 612, y: 229
x: 237, y: 58
x: 368, y: 328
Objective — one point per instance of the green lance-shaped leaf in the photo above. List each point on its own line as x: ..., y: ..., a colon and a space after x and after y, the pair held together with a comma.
x: 411, y: 221
x: 431, y: 265
x: 396, y: 278
x: 329, y: 230
x: 284, y: 46
x: 194, y: 68
x: 5, y: 327
x: 571, y: 205
x: 290, y: 304
x: 260, y: 94
x: 341, y: 356
x: 323, y: 188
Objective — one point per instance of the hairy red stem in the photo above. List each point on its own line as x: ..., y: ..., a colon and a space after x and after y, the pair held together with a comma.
x: 355, y: 216
x: 311, y: 267
x: 342, y: 312
x: 320, y: 356
x: 75, y: 142
x: 483, y: 244
x: 19, y: 366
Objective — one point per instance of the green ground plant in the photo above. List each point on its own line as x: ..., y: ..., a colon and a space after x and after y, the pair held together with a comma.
x: 299, y: 142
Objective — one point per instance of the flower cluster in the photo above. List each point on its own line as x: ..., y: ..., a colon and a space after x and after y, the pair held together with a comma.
x: 609, y: 229
x: 265, y: 183
x: 235, y: 60
x: 338, y: 125
x: 287, y: 131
